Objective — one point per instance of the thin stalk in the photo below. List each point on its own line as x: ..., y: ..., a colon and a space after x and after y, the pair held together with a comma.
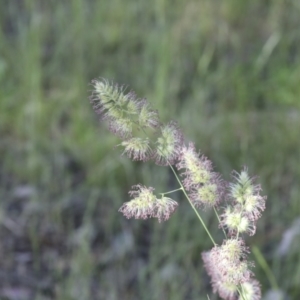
x: 180, y: 189
x: 220, y: 222
x: 187, y: 197
x: 192, y: 205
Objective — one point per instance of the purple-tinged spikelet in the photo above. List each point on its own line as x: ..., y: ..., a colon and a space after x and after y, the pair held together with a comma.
x: 145, y: 205
x: 142, y: 205
x: 230, y: 261
x: 207, y: 195
x: 137, y: 149
x: 204, y: 195
x: 122, y: 127
x: 198, y: 169
x: 168, y: 144
x: 164, y: 208
x: 228, y: 267
x: 226, y: 290
x: 205, y: 187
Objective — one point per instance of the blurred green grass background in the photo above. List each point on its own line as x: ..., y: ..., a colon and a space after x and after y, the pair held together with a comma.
x: 227, y: 71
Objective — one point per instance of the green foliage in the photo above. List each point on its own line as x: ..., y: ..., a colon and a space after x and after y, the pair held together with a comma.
x: 227, y: 72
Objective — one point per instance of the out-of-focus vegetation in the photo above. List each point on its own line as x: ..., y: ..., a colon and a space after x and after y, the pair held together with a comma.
x: 227, y: 71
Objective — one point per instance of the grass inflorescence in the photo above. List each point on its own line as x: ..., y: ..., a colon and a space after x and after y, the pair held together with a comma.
x: 229, y: 72
x: 242, y: 203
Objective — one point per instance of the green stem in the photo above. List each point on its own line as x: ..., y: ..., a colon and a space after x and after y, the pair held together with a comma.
x: 262, y: 262
x: 180, y: 189
x: 220, y: 222
x: 192, y: 205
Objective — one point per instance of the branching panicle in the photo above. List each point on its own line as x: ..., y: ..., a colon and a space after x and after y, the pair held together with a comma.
x: 144, y: 138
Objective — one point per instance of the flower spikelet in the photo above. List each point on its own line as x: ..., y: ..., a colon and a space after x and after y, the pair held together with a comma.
x: 168, y: 144
x: 137, y: 149
x: 250, y: 290
x: 145, y: 205
x: 148, y: 118
x: 246, y: 194
x: 121, y: 127
x: 205, y: 186
x: 225, y: 289
x: 110, y: 100
x: 164, y: 208
x: 230, y: 260
x: 198, y: 169
x: 112, y: 103
x: 228, y: 267
x: 207, y: 195
x: 236, y: 222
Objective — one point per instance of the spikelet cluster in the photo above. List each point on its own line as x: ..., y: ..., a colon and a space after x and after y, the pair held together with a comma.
x: 145, y: 205
x: 246, y: 205
x: 169, y: 143
x: 127, y: 116
x: 111, y: 103
x: 204, y: 186
x: 228, y: 267
x: 137, y: 148
x: 250, y: 290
